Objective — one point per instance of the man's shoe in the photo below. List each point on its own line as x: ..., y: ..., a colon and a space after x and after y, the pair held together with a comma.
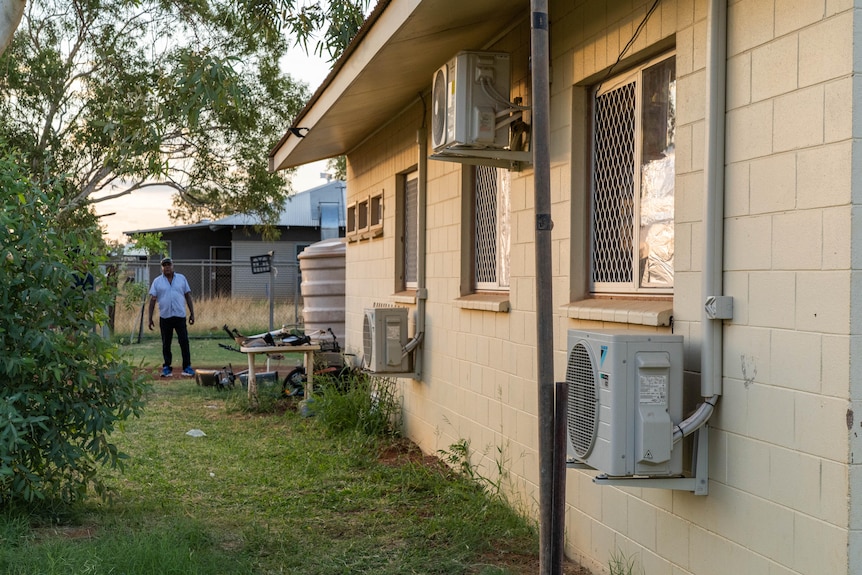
x: 167, y: 372
x: 188, y: 372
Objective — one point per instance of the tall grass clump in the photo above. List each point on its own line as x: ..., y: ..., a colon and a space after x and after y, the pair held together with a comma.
x: 358, y: 403
x: 620, y: 564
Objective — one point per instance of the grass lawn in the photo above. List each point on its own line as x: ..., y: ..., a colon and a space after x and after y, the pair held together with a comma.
x: 265, y: 493
x: 206, y: 353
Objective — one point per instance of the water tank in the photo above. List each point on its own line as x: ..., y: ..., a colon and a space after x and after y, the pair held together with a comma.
x: 322, y: 266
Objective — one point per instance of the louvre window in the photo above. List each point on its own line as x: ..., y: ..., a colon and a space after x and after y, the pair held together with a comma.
x: 491, y: 228
x: 410, y: 232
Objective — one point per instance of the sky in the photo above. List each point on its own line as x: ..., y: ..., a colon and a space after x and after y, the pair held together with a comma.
x: 149, y: 208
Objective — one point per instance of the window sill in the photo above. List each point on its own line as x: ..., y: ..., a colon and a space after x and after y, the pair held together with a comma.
x: 406, y: 297
x: 485, y: 302
x: 631, y: 311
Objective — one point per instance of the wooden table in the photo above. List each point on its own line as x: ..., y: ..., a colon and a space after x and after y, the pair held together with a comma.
x: 253, y: 352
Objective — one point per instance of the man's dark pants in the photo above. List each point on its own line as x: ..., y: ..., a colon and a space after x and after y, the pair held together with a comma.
x: 167, y: 325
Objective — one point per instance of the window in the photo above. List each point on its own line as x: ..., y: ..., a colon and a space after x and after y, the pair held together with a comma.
x: 490, y: 228
x: 634, y: 120
x: 299, y: 249
x: 351, y: 221
x: 329, y: 216
x: 365, y: 218
x: 409, y: 232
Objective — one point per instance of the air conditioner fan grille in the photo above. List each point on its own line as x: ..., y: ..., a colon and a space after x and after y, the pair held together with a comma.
x: 439, y: 108
x: 583, y: 407
x: 367, y: 340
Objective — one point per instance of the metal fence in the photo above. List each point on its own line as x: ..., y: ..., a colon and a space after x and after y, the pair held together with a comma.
x: 224, y: 292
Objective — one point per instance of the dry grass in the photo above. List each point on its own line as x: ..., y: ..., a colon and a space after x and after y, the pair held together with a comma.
x: 244, y: 314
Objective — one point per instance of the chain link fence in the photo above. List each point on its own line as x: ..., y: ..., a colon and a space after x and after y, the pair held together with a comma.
x: 224, y: 293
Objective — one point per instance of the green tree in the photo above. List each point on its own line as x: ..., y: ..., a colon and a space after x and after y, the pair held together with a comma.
x: 121, y: 95
x: 63, y: 388
x: 337, y: 167
x: 330, y: 24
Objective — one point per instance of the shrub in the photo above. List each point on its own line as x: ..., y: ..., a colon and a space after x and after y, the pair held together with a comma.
x: 63, y: 388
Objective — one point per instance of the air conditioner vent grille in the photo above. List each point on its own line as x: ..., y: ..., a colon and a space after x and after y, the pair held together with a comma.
x: 439, y: 105
x: 583, y: 407
x: 367, y: 336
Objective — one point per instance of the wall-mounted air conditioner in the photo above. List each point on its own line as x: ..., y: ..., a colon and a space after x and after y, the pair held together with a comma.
x: 384, y: 335
x: 466, y: 94
x: 625, y: 396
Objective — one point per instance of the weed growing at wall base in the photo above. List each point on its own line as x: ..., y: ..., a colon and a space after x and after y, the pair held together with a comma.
x: 359, y: 403
x: 619, y: 564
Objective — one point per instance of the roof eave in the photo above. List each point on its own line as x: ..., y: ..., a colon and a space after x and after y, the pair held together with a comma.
x: 388, y: 65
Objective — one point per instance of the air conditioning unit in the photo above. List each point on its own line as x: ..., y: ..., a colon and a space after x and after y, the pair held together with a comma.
x: 625, y: 396
x: 466, y: 94
x: 384, y: 335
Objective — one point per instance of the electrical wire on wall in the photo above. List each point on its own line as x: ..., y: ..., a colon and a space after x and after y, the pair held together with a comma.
x: 631, y: 42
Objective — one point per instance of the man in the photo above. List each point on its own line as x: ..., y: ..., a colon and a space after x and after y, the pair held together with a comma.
x: 173, y: 293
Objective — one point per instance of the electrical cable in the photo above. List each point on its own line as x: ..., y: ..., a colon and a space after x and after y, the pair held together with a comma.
x: 630, y: 43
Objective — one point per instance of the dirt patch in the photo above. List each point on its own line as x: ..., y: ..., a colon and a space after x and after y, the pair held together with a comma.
x: 402, y: 451
x: 65, y: 532
x: 523, y: 564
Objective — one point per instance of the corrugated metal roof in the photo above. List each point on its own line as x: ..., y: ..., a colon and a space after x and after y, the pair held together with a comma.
x: 300, y: 210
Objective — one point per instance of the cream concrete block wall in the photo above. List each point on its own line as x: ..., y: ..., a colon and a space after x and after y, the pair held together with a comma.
x: 788, y: 353
x: 478, y: 366
x: 788, y: 236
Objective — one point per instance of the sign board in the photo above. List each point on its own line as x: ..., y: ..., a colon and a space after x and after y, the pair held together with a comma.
x: 261, y: 264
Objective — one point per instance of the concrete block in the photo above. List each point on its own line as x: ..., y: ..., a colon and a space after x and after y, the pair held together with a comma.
x: 748, y: 465
x: 796, y: 360
x: 823, y: 176
x: 819, y: 547
x: 838, y: 114
x: 823, y: 302
x: 749, y: 132
x: 772, y: 297
x: 774, y: 68
x: 833, y: 36
x: 748, y: 243
x: 749, y: 24
x: 821, y: 426
x: 837, y: 238
x: 773, y: 184
x: 797, y: 240
x: 799, y: 119
x: 794, y: 15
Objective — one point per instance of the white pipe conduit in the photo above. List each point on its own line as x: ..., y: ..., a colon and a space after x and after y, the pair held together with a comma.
x: 712, y: 315
x: 421, y: 216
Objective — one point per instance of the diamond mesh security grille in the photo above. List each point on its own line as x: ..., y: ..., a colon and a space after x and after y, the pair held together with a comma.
x: 613, y: 185
x: 410, y: 231
x: 486, y: 225
x: 583, y: 407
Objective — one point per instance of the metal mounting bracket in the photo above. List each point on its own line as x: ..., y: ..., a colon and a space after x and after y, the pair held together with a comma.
x: 719, y: 307
x: 699, y: 484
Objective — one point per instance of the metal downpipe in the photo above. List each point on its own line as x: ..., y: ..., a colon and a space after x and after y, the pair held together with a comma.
x: 422, y: 218
x: 713, y: 219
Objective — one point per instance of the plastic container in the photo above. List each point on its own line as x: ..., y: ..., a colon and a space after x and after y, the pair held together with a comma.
x: 323, y: 288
